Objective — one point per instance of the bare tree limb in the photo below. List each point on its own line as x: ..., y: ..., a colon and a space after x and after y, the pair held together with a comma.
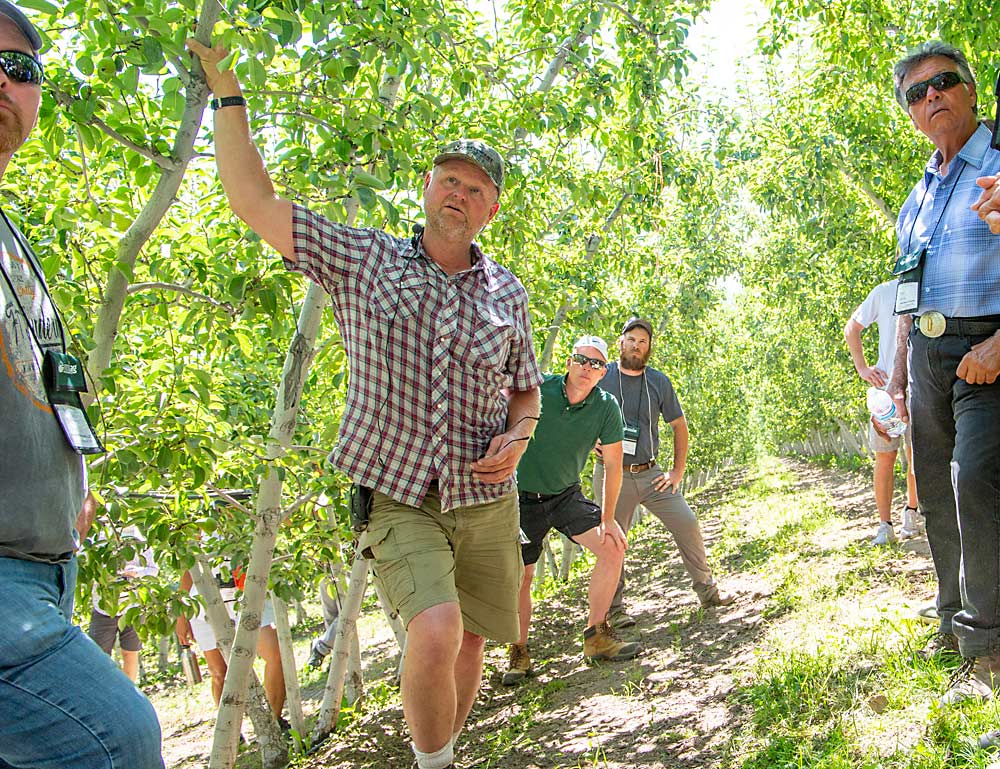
x: 164, y: 162
x: 136, y: 288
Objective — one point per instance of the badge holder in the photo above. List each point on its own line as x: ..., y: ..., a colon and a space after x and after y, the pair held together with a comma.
x: 631, y: 440
x: 909, y: 268
x: 64, y: 381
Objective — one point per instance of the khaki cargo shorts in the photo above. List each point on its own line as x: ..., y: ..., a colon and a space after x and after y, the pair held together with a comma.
x: 469, y: 555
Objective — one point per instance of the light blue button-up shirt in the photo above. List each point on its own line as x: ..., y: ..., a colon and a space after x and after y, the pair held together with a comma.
x: 962, y: 267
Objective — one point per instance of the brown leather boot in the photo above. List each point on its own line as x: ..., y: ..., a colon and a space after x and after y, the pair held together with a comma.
x: 518, y: 666
x: 601, y: 643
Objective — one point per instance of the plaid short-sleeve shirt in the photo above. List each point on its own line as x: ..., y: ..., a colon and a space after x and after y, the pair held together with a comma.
x: 430, y: 355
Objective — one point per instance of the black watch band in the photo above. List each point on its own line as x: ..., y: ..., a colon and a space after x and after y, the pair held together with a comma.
x: 228, y: 101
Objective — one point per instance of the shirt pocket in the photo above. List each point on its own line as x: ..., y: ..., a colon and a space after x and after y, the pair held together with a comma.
x: 487, y: 347
x: 398, y: 293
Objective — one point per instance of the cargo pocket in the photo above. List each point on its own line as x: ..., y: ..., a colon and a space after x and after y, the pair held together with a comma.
x: 392, y: 569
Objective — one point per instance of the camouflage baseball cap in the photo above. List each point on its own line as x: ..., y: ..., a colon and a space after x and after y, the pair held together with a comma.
x: 26, y: 28
x: 477, y: 152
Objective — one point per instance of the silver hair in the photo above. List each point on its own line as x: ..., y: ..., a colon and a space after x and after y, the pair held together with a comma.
x: 925, y: 51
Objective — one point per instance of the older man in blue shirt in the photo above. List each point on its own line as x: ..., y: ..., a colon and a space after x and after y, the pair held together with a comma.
x: 949, y: 314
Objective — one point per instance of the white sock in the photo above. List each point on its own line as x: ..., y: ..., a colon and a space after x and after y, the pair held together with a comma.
x: 439, y: 759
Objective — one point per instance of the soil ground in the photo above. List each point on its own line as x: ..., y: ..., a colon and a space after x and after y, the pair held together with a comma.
x: 671, y: 707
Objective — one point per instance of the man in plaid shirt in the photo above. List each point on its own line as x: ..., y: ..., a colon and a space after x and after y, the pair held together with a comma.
x: 443, y: 396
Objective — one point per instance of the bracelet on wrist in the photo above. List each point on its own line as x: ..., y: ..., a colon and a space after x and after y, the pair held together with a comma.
x: 228, y: 101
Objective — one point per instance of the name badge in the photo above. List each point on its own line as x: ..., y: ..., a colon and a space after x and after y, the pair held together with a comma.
x: 630, y: 440
x: 907, y: 297
x: 64, y: 380
x: 910, y: 269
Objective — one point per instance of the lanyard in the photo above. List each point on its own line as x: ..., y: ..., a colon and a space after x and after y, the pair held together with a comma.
x: 638, y: 404
x: 909, y: 238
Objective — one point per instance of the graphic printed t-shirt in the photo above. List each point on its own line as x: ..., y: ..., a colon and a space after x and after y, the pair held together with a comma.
x: 41, y: 481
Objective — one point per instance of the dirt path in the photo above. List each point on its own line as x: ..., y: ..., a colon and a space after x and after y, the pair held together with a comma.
x: 671, y: 707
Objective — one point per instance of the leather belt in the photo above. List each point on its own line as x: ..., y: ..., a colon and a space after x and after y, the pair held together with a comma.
x: 639, y: 468
x: 532, y: 496
x: 934, y: 324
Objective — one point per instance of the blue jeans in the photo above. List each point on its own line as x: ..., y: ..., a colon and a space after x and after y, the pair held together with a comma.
x: 956, y: 461
x: 63, y: 702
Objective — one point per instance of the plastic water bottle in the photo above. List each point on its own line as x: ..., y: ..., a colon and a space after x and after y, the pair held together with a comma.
x: 882, y: 407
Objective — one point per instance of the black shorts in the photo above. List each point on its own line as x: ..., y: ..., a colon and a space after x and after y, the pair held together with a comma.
x: 104, y: 629
x: 569, y: 512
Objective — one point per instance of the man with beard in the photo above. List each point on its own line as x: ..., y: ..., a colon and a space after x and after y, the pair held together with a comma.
x: 63, y: 702
x: 948, y: 302
x: 645, y: 395
x: 443, y: 396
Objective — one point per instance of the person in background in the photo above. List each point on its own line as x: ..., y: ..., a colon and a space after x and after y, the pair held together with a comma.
x: 199, y: 629
x: 576, y: 413
x: 104, y: 629
x: 330, y: 601
x: 877, y: 308
x: 646, y: 395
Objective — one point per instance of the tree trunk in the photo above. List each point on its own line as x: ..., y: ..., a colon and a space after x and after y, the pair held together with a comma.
x: 354, y: 681
x: 569, y: 553
x: 273, y: 747
x: 329, y: 710
x: 116, y: 287
x: 293, y: 695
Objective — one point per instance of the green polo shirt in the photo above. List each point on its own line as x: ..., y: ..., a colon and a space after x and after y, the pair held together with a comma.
x: 565, y: 434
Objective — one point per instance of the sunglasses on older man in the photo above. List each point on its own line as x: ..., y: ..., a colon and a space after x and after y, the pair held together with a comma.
x: 21, y: 68
x: 582, y: 360
x: 942, y: 81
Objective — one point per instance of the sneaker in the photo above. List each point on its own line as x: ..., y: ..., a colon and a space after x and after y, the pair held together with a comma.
x: 601, y: 643
x: 316, y: 660
x: 988, y: 740
x: 619, y: 620
x: 913, y: 523
x: 716, y: 598
x: 885, y: 536
x: 518, y: 665
x: 940, y: 645
x: 929, y: 614
x: 977, y: 679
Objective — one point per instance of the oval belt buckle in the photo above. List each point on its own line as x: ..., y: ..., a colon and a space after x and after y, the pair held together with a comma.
x: 932, y: 324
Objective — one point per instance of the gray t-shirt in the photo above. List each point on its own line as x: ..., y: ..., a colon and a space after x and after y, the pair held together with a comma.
x: 41, y: 480
x: 644, y: 399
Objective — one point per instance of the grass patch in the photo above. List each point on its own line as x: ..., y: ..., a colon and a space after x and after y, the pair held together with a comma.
x: 836, y: 683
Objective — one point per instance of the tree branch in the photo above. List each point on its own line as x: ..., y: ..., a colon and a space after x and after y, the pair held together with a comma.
x: 136, y: 288
x: 164, y: 162
x: 888, y: 218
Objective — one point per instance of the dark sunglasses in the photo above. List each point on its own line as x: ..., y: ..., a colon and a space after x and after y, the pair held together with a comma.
x: 582, y: 360
x: 942, y: 81
x: 21, y: 68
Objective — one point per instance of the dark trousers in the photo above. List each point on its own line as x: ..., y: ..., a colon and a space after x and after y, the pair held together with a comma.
x: 956, y: 460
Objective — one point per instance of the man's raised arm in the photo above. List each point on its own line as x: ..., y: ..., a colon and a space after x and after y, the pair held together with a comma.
x: 244, y: 178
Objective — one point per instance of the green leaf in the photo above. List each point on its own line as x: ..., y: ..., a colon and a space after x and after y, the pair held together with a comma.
x: 42, y: 6
x: 368, y: 180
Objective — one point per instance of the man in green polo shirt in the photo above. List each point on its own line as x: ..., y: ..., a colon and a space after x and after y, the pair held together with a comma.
x: 576, y: 413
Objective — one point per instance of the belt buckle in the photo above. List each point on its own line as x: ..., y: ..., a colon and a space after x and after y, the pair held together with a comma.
x: 932, y: 324
x: 632, y: 467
